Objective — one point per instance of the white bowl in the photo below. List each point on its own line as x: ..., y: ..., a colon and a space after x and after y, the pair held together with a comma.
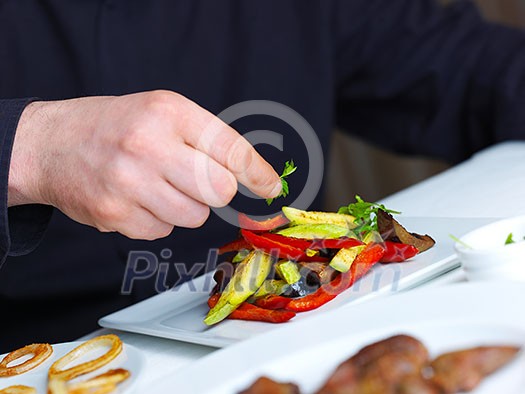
x: 488, y: 258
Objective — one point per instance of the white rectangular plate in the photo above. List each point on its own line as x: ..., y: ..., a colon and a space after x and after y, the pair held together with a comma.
x: 178, y: 313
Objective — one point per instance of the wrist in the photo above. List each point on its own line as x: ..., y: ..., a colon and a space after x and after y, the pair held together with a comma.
x: 25, y: 175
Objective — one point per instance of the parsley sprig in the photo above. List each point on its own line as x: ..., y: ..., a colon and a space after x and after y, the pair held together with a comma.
x: 365, y: 214
x: 510, y: 239
x: 289, y: 168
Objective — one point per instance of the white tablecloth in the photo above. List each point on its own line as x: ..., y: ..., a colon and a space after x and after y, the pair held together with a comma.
x: 490, y: 184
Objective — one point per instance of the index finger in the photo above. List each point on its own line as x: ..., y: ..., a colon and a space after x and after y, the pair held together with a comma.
x: 212, y: 136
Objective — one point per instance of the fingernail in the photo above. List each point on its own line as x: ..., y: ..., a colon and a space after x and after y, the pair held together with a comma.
x: 277, y: 189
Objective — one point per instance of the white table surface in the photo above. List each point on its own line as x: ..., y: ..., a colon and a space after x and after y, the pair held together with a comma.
x: 490, y: 184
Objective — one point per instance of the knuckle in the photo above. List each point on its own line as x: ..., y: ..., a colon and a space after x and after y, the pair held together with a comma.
x: 239, y: 157
x: 159, y: 102
x: 103, y: 229
x: 264, y: 181
x: 158, y: 108
x: 107, y: 212
x: 134, y: 141
x: 119, y: 177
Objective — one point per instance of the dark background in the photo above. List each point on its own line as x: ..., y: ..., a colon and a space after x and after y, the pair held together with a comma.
x: 359, y: 168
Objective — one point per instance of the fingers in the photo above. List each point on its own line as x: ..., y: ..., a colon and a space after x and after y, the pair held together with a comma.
x: 152, y: 214
x: 157, y: 215
x: 162, y: 207
x: 213, y: 137
x: 140, y: 202
x: 198, y: 176
x: 169, y: 205
x: 139, y: 223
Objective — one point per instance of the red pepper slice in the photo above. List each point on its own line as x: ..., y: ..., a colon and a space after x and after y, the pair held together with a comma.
x: 248, y: 223
x: 340, y: 243
x: 299, y: 243
x: 361, y: 265
x: 283, y: 250
x: 251, y: 312
x: 273, y: 301
x: 292, y: 248
x: 235, y: 246
x: 214, y: 298
x: 311, y: 301
x: 284, y: 247
x: 316, y: 244
x: 396, y: 252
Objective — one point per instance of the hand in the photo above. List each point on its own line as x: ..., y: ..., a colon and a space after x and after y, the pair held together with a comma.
x: 138, y: 164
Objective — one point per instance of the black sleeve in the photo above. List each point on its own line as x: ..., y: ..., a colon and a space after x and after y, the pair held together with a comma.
x: 417, y: 77
x: 21, y: 227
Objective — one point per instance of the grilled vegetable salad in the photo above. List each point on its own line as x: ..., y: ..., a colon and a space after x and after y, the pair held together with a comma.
x: 300, y: 260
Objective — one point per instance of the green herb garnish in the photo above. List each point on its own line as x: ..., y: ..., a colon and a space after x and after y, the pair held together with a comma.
x: 365, y: 214
x: 289, y: 168
x: 509, y: 240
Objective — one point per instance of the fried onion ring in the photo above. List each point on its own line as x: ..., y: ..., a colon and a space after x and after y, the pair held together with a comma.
x: 40, y: 352
x: 57, y: 386
x: 104, y: 389
x: 18, y: 389
x: 99, y: 384
x: 57, y: 371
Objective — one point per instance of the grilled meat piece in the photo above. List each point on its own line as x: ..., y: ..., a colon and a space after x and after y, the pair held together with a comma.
x: 266, y: 385
x: 391, y: 230
x: 378, y: 368
x: 396, y: 344
x: 465, y: 369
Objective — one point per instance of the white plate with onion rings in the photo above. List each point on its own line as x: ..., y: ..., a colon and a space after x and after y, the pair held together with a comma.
x: 130, y: 359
